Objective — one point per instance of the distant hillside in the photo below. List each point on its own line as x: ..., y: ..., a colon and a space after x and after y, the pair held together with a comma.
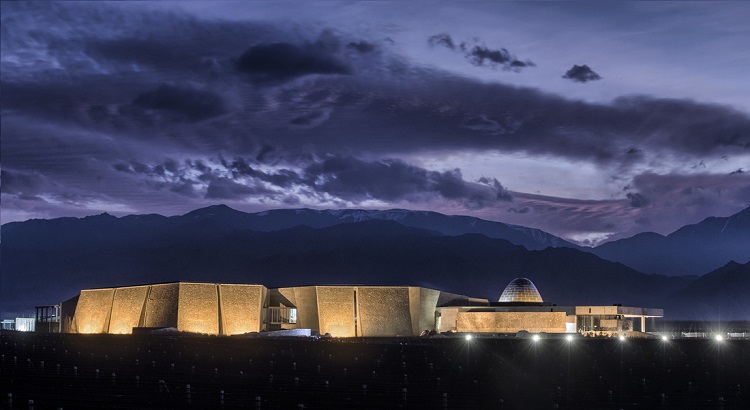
x: 729, y: 284
x: 47, y: 261
x: 219, y: 219
x: 691, y: 250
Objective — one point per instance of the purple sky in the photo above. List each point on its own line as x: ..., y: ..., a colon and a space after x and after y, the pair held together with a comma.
x: 590, y: 121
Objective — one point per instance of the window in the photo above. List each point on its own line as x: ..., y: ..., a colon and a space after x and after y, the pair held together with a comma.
x: 278, y: 315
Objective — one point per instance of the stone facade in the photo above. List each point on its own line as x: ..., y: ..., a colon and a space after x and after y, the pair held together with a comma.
x: 191, y: 307
x: 511, y: 322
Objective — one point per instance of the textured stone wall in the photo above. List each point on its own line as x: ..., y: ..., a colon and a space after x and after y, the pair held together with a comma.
x: 127, y: 309
x: 511, y: 322
x: 428, y: 299
x: 93, y: 310
x: 67, y: 313
x: 336, y: 310
x: 198, y: 308
x: 306, y: 300
x: 161, y: 306
x: 384, y: 311
x: 447, y: 320
x: 241, y: 308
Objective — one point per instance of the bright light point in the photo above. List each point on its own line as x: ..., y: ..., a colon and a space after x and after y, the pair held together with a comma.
x: 622, y: 338
x: 719, y: 338
x: 467, y: 337
x: 535, y: 338
x: 664, y: 338
x: 569, y: 338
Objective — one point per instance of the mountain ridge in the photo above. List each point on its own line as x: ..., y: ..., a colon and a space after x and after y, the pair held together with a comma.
x: 690, y: 250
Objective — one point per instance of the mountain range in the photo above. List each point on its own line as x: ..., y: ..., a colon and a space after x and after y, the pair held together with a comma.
x: 690, y: 250
x: 47, y: 261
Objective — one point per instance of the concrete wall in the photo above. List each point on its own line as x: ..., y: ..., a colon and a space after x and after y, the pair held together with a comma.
x: 161, y: 306
x: 428, y: 299
x: 198, y: 308
x: 93, y: 311
x: 67, y: 314
x: 384, y: 311
x: 127, y: 309
x: 242, y: 308
x: 191, y: 307
x: 343, y: 311
x: 511, y: 322
x: 380, y: 310
x: 336, y: 310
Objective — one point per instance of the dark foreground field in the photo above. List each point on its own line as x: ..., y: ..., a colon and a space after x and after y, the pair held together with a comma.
x: 137, y: 371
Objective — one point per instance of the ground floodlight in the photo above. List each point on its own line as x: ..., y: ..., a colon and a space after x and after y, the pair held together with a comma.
x: 719, y: 338
x: 535, y: 338
x: 622, y: 338
x: 467, y: 337
x: 569, y: 338
x: 664, y: 338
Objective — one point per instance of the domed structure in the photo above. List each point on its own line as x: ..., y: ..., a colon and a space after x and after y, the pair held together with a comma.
x: 521, y: 290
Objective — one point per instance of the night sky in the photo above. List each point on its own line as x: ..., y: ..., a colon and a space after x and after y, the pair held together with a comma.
x: 592, y: 121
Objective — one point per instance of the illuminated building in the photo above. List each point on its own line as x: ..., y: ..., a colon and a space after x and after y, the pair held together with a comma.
x: 521, y: 307
x: 342, y: 310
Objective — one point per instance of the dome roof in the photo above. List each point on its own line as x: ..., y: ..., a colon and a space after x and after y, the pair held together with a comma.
x: 521, y: 290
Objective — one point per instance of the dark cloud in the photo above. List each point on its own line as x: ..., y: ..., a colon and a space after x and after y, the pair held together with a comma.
x: 194, y: 104
x: 581, y: 74
x: 357, y: 180
x: 141, y: 51
x: 480, y: 55
x: 637, y: 200
x: 394, y: 108
x: 310, y: 119
x: 24, y: 186
x: 442, y: 39
x: 483, y: 56
x: 334, y: 178
x: 225, y: 188
x: 362, y: 46
x: 279, y: 62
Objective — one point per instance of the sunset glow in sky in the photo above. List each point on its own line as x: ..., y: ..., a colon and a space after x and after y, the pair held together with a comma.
x: 590, y: 120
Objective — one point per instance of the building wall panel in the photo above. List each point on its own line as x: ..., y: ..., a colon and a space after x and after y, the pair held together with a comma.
x: 241, y: 308
x: 67, y: 313
x: 161, y: 306
x: 198, y: 308
x: 127, y: 308
x: 306, y: 301
x: 336, y: 310
x: 428, y: 300
x: 93, y: 310
x: 384, y: 311
x: 511, y: 322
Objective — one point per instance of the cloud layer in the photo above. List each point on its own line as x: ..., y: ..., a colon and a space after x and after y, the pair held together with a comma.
x: 121, y: 110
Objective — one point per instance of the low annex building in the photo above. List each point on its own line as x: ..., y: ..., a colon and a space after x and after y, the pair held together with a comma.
x: 521, y: 307
x: 341, y: 310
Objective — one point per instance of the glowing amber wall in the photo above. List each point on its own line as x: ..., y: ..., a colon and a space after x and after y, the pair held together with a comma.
x: 127, y: 309
x: 336, y: 310
x: 511, y: 322
x: 198, y: 308
x: 242, y: 308
x: 161, y: 306
x: 384, y: 311
x: 93, y: 311
x: 306, y: 299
